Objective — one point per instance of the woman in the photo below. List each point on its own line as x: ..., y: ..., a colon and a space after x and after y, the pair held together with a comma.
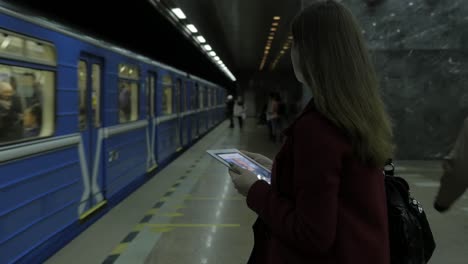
x: 240, y: 111
x: 326, y: 202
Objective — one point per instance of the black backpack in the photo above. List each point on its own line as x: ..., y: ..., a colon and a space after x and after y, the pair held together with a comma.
x: 411, y: 239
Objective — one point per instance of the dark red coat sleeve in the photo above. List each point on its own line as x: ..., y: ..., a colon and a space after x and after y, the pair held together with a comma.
x: 308, y: 220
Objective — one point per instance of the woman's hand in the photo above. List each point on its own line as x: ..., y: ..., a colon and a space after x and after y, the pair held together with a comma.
x: 264, y: 161
x: 243, y: 179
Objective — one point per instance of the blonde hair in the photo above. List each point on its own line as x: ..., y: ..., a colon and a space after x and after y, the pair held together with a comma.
x: 335, y: 64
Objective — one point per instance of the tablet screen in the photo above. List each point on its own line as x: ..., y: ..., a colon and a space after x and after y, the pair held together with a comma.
x: 245, y: 163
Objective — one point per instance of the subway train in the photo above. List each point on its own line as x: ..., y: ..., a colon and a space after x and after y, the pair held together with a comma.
x: 82, y: 125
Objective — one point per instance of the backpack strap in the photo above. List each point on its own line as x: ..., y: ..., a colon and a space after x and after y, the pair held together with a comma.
x: 389, y: 168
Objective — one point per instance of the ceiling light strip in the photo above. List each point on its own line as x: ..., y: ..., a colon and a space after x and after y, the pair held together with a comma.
x: 179, y: 19
x: 271, y: 36
x: 286, y: 46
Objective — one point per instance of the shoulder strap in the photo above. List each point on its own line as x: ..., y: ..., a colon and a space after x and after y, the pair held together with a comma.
x: 389, y: 168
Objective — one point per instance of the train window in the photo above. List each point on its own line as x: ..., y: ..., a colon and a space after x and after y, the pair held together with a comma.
x: 184, y: 94
x: 167, y: 95
x: 19, y: 47
x: 200, y: 97
x: 205, y: 97
x: 11, y: 44
x: 148, y: 96
x: 212, y: 95
x: 148, y: 109
x: 40, y: 51
x: 26, y: 103
x: 82, y: 87
x: 215, y: 97
x: 194, y: 96
x: 152, y: 93
x: 129, y: 71
x: 128, y: 101
x: 96, y: 93
x: 179, y: 96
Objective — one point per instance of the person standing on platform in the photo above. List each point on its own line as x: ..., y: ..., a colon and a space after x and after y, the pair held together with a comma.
x: 230, y: 110
x: 454, y: 180
x: 240, y: 111
x: 326, y: 203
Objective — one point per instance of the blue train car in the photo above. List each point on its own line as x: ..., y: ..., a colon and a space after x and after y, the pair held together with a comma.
x: 73, y: 112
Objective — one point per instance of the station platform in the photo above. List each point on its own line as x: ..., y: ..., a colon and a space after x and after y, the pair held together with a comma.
x: 190, y: 213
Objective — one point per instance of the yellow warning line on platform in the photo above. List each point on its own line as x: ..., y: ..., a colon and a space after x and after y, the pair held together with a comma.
x: 120, y: 248
x: 213, y: 198
x: 173, y: 215
x: 192, y: 225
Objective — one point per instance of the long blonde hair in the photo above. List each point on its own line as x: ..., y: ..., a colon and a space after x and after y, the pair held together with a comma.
x: 335, y: 64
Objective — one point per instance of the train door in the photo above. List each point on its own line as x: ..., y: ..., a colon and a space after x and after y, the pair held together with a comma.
x: 183, y: 109
x: 151, y: 80
x: 178, y: 106
x: 89, y: 85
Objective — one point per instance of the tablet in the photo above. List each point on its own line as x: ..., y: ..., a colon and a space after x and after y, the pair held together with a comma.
x: 227, y: 156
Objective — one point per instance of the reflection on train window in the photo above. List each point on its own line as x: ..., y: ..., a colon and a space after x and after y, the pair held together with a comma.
x: 40, y: 51
x: 12, y: 44
x: 82, y: 88
x: 128, y: 101
x: 128, y: 71
x: 166, y: 101
x: 24, y: 48
x: 26, y: 103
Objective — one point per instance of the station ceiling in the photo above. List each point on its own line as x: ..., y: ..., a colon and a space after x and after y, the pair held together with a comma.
x: 240, y: 29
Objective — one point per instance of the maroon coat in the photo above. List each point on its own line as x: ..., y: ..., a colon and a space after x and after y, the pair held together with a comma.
x: 323, y: 206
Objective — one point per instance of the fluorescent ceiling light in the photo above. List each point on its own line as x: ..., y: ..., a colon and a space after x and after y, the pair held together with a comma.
x: 179, y: 13
x: 201, y: 39
x: 208, y: 47
x: 212, y: 53
x: 217, y: 58
x: 192, y: 28
x: 220, y: 62
x: 276, y: 18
